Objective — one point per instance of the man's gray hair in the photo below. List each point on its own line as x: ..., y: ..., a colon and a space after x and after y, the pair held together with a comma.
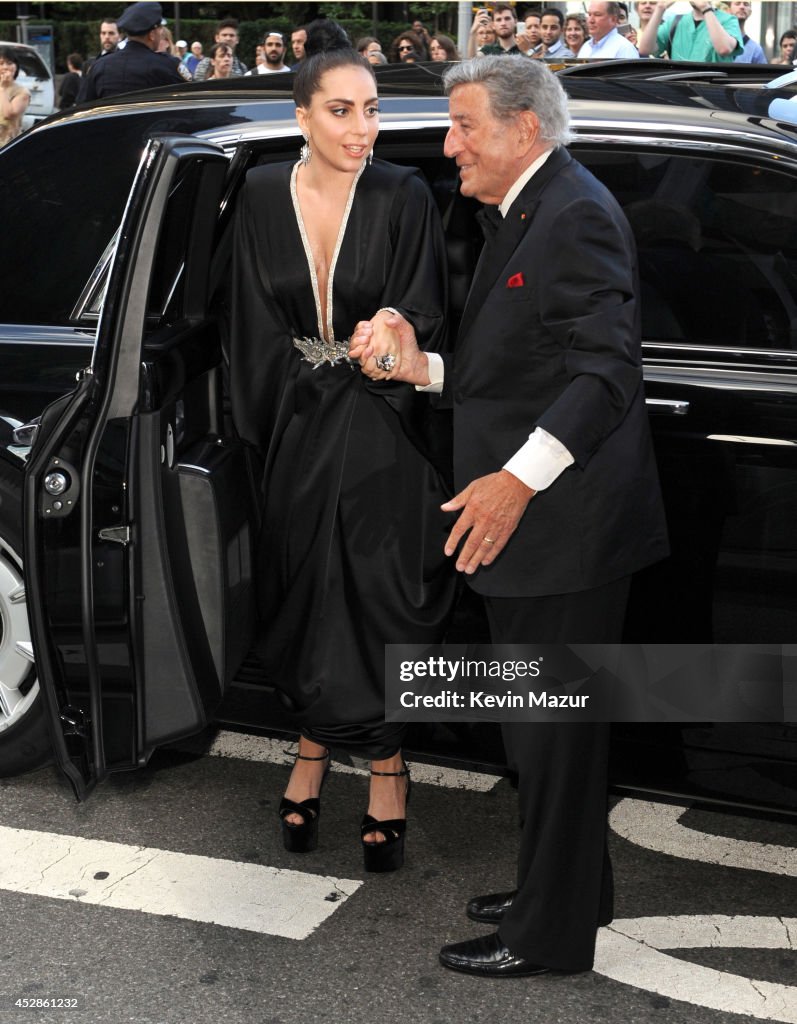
x: 515, y: 83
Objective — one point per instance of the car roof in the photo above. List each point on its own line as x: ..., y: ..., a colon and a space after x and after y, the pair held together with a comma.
x: 635, y: 80
x: 684, y: 95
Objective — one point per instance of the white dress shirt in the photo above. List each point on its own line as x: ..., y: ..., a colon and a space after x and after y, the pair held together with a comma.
x: 612, y: 45
x: 542, y: 458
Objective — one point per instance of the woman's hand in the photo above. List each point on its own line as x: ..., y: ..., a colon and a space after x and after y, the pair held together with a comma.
x: 412, y: 366
x: 376, y: 346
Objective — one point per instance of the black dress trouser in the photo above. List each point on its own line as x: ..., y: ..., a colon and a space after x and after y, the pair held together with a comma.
x: 564, y: 874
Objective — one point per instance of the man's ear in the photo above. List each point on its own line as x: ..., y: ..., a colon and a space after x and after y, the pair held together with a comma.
x: 528, y: 128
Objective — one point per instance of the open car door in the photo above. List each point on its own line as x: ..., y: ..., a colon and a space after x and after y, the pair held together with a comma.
x: 138, y: 518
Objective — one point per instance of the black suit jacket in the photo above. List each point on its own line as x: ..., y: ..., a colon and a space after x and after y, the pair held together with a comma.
x: 562, y: 351
x: 134, y: 67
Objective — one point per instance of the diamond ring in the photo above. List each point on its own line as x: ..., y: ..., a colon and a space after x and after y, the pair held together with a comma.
x: 386, y: 362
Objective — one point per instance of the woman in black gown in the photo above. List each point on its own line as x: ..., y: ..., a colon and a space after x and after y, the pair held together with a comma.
x: 351, y: 551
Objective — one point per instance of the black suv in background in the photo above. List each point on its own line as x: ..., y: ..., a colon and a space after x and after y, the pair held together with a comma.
x: 129, y: 623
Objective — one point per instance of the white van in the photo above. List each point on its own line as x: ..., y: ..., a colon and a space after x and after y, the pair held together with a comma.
x: 36, y: 77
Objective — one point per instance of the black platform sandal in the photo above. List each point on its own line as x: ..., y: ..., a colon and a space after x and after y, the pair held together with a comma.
x: 302, y: 838
x: 387, y: 855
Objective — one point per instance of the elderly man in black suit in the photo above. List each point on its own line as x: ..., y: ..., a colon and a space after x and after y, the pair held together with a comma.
x: 558, y: 499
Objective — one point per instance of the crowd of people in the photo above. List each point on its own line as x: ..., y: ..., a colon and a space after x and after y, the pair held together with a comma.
x: 605, y: 31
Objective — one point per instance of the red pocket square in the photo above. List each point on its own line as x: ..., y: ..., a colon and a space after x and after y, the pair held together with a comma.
x: 515, y: 281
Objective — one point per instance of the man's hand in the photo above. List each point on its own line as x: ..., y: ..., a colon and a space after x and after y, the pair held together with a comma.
x: 412, y: 367
x: 523, y: 40
x: 492, y: 507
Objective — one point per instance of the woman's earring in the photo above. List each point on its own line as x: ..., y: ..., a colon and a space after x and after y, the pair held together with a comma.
x: 305, y: 153
x: 370, y: 158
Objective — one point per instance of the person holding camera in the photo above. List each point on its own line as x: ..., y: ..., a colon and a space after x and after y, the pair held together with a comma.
x: 505, y: 25
x: 708, y: 34
x: 481, y: 33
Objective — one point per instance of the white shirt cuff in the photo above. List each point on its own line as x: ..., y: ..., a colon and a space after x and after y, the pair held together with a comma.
x: 437, y: 372
x: 540, y: 461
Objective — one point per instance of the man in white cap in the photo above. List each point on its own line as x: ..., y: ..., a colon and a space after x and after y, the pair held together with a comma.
x: 138, y: 65
x: 274, y: 50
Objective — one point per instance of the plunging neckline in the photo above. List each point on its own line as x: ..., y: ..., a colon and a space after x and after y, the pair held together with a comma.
x: 327, y: 335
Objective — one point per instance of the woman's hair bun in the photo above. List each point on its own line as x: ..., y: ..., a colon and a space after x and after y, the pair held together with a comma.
x: 323, y: 34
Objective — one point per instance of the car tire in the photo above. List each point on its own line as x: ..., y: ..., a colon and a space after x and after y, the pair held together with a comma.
x: 24, y: 740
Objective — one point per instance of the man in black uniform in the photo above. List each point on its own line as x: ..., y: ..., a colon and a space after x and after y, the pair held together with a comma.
x: 138, y: 65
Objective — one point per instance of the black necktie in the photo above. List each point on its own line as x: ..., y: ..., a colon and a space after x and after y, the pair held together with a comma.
x: 490, y: 220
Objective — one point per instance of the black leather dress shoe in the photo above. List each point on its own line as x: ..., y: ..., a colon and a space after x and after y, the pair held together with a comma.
x: 488, y: 957
x: 490, y: 909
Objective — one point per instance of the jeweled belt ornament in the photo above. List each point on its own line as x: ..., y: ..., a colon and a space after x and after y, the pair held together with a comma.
x: 319, y: 351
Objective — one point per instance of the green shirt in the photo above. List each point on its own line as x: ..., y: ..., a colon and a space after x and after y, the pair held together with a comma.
x: 496, y: 50
x: 692, y: 41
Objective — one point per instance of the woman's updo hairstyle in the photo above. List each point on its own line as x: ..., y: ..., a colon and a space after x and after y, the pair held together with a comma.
x: 327, y: 48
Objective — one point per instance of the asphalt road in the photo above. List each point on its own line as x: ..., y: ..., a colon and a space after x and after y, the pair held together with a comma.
x: 167, y: 897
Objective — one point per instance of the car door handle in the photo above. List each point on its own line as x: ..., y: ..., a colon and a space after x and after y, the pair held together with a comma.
x: 667, y: 406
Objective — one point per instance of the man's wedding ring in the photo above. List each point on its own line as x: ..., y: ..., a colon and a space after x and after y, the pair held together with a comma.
x: 386, y: 362
x: 489, y: 540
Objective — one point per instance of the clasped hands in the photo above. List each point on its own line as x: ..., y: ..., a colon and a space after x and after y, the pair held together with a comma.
x: 491, y: 506
x: 388, y: 334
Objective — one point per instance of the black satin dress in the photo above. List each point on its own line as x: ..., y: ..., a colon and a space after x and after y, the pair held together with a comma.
x: 351, y: 551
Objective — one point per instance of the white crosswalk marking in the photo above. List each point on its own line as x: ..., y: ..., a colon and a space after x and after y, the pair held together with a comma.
x: 262, y: 748
x: 658, y: 827
x: 224, y: 892
x: 631, y: 951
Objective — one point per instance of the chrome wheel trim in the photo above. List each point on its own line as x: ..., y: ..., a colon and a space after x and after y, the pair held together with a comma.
x: 16, y: 646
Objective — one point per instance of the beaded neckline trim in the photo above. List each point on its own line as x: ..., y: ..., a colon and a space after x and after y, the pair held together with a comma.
x: 327, y: 335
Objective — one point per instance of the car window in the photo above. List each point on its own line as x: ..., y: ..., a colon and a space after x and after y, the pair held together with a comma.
x: 717, y: 244
x: 72, y: 186
x: 164, y: 299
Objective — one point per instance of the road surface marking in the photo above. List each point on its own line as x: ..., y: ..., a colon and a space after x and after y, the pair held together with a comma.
x: 254, y: 897
x: 630, y: 951
x: 657, y: 827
